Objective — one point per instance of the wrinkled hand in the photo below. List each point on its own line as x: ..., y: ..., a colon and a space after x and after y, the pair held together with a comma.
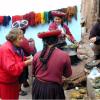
x: 28, y: 61
x: 93, y: 39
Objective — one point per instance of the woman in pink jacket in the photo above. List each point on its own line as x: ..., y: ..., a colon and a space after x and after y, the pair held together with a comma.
x: 12, y: 64
x: 58, y: 24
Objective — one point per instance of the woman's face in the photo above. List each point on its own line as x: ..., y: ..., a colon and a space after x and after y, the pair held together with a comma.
x: 57, y: 20
x: 19, y: 39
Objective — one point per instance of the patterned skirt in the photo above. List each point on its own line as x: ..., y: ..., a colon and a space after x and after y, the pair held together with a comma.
x: 47, y: 90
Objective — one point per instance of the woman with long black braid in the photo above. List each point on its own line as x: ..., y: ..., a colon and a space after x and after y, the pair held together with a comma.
x: 49, y: 66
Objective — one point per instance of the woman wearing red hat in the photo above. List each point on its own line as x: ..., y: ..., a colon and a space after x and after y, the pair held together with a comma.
x: 12, y: 64
x: 58, y: 24
x: 49, y: 65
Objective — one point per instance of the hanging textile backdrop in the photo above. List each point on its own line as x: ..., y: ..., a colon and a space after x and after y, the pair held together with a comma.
x: 39, y: 22
x: 39, y: 18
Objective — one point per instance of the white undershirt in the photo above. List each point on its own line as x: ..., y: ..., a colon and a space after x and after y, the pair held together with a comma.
x: 61, y: 28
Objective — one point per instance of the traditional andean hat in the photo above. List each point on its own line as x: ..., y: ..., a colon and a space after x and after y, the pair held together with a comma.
x: 49, y: 34
x: 58, y: 13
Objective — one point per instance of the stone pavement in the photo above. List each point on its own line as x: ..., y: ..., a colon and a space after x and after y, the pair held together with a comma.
x: 27, y: 97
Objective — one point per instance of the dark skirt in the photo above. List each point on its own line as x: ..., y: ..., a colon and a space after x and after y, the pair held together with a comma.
x: 47, y: 90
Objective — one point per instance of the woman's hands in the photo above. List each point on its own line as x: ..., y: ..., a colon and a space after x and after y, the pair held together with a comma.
x: 28, y: 60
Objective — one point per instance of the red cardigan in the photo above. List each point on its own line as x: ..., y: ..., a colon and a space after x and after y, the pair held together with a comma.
x: 11, y: 64
x: 53, y: 26
x: 58, y: 65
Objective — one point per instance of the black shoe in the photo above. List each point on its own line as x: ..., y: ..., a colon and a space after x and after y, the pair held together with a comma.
x: 22, y: 93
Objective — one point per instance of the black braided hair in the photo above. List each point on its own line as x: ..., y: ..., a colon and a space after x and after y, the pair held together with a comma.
x: 42, y: 59
x: 48, y: 41
x: 63, y: 20
x: 50, y: 17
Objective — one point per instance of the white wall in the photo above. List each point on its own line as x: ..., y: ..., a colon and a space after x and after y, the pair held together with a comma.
x: 24, y: 6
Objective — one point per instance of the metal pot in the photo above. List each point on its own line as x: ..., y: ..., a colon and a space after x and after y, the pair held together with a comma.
x: 71, y: 51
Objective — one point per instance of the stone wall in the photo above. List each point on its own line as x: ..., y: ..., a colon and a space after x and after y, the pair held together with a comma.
x: 89, y: 10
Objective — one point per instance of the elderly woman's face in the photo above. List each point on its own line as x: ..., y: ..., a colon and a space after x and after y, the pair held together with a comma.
x: 19, y: 39
x: 57, y: 20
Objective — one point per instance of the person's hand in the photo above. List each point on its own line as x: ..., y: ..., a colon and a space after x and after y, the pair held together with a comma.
x: 92, y: 40
x: 68, y: 37
x: 76, y: 43
x: 29, y: 61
